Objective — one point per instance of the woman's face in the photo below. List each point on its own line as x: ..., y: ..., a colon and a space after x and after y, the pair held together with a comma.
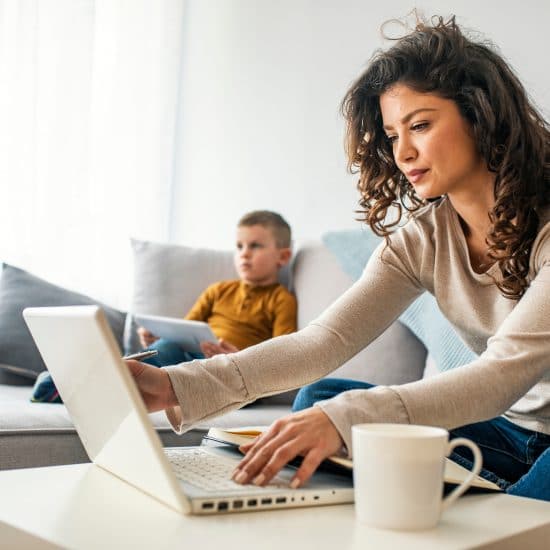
x: 432, y: 144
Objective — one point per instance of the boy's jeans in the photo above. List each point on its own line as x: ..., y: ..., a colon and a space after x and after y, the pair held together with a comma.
x: 169, y: 353
x: 516, y: 459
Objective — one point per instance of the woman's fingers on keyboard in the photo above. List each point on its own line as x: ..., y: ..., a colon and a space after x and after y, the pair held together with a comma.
x: 309, y: 433
x: 273, y: 460
x: 257, y: 453
x: 311, y: 462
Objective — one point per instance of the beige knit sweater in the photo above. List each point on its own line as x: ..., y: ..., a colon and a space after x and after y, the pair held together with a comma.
x: 511, y: 376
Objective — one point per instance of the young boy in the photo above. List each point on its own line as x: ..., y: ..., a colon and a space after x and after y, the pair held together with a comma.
x: 246, y: 311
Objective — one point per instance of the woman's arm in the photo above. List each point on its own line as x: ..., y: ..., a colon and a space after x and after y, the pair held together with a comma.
x: 516, y: 358
x: 208, y: 388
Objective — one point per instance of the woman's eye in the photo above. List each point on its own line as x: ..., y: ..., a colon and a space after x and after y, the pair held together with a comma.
x: 419, y: 126
x: 391, y: 139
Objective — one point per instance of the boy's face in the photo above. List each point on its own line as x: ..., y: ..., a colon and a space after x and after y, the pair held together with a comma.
x: 257, y: 257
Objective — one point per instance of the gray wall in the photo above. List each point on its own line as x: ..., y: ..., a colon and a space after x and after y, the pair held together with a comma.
x: 261, y: 87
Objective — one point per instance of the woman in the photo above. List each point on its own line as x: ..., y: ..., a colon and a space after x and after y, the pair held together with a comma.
x: 438, y: 126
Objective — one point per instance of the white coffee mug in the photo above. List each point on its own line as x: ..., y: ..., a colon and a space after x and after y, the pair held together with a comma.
x: 398, y: 474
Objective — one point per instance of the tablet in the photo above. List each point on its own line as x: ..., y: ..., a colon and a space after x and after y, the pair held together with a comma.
x: 188, y: 334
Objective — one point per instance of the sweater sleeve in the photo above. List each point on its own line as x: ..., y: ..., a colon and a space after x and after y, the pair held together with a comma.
x: 207, y: 388
x: 515, y: 359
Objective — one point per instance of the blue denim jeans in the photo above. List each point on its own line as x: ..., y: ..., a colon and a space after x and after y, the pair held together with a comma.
x: 516, y: 459
x: 169, y: 353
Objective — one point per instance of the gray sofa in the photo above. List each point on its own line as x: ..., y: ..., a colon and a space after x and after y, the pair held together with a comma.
x: 167, y: 280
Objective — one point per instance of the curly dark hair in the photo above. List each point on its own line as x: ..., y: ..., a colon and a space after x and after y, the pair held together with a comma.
x: 511, y: 135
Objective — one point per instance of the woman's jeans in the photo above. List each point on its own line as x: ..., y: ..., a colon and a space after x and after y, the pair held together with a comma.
x: 169, y: 353
x: 516, y: 459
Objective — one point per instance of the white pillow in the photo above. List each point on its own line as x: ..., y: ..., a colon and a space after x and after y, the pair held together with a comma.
x: 169, y: 278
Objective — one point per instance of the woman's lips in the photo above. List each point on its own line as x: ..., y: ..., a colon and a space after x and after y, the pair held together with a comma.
x: 414, y: 176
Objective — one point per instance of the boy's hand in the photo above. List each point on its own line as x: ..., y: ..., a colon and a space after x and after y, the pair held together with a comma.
x: 210, y: 348
x: 154, y: 385
x: 146, y: 338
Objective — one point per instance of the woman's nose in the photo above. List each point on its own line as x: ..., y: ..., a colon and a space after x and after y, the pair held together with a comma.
x: 404, y: 150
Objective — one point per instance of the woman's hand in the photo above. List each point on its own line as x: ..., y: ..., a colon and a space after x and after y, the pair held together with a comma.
x: 211, y: 348
x: 154, y: 385
x: 146, y: 338
x: 308, y: 433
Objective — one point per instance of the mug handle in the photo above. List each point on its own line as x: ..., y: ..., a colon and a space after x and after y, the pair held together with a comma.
x: 463, y: 442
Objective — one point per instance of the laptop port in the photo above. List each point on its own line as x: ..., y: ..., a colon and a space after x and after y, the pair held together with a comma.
x: 316, y: 497
x: 267, y: 500
x: 207, y: 505
x: 222, y: 506
x: 237, y: 504
x: 252, y: 502
x: 280, y: 500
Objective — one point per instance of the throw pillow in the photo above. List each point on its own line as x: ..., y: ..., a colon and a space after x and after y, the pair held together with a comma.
x: 423, y: 317
x: 169, y: 278
x: 18, y: 290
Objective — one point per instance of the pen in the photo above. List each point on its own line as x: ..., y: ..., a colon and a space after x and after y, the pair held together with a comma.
x: 141, y: 355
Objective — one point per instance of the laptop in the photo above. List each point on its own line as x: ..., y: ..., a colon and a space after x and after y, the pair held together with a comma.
x: 110, y: 417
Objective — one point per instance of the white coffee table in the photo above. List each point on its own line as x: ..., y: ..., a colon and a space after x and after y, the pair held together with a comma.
x: 82, y: 506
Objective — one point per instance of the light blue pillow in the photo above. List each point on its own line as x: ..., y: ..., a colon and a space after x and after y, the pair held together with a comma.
x: 352, y: 249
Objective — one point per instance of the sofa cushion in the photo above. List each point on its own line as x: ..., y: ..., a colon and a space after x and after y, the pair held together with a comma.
x: 423, y: 317
x: 18, y: 290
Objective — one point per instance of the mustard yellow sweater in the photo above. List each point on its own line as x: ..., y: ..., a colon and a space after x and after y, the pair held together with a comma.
x: 245, y: 315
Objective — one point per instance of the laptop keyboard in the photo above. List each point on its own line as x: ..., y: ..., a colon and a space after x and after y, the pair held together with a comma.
x: 210, y: 472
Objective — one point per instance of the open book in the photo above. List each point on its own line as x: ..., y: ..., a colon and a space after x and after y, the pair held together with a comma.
x: 454, y: 473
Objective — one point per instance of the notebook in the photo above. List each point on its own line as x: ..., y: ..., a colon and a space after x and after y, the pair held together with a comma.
x: 108, y: 413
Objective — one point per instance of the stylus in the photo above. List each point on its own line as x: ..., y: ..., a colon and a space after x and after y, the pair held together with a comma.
x: 141, y: 355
